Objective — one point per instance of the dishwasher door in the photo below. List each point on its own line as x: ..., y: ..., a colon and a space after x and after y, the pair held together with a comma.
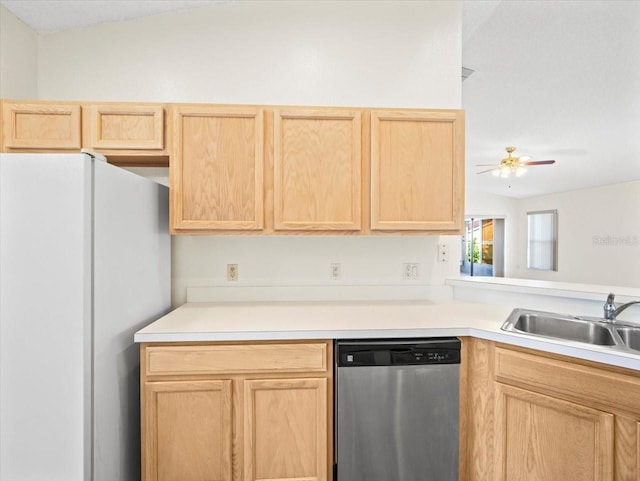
x: 397, y: 415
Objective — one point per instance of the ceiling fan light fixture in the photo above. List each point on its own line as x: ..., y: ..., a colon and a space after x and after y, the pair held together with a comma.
x: 512, y: 166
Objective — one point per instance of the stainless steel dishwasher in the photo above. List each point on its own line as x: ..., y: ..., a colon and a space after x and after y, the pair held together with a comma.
x: 397, y: 405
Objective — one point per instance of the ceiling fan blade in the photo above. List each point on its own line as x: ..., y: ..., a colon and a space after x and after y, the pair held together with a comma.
x: 538, y: 162
x: 488, y: 170
x: 487, y: 165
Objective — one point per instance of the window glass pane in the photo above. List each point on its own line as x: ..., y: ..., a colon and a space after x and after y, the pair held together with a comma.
x: 542, y: 234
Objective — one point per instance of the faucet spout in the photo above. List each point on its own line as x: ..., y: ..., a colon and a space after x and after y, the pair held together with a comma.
x: 622, y: 307
x: 611, y: 311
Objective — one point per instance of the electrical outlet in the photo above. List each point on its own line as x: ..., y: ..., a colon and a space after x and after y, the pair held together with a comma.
x: 410, y: 271
x: 443, y: 253
x: 335, y: 271
x: 232, y: 272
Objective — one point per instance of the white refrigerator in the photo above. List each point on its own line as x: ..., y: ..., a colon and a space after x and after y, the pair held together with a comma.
x: 84, y: 263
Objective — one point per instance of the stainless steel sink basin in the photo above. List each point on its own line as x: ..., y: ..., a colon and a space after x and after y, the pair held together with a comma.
x: 560, y: 327
x: 587, y: 330
x: 630, y: 337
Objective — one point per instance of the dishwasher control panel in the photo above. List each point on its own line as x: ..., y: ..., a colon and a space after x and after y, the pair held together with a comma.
x: 397, y: 352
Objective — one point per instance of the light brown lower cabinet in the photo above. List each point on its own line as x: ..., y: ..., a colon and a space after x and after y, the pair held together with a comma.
x: 542, y: 438
x: 540, y: 417
x: 264, y: 411
x: 242, y: 412
x: 188, y: 430
x: 285, y: 429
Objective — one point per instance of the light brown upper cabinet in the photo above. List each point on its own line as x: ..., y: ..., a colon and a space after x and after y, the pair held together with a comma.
x: 217, y: 168
x: 417, y: 170
x: 127, y: 134
x: 271, y: 169
x: 317, y: 168
x: 119, y: 128
x: 40, y: 126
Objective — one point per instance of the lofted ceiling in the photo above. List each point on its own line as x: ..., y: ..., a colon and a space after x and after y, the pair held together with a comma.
x: 48, y: 16
x: 557, y: 79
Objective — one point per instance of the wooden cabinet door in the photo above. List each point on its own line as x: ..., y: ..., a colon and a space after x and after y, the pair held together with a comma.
x: 417, y: 170
x: 216, y: 171
x: 124, y: 127
x: 317, y: 170
x: 285, y: 430
x: 540, y: 438
x: 33, y: 127
x: 187, y: 431
x: 627, y: 445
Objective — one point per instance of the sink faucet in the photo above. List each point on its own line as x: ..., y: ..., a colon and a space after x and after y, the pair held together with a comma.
x: 611, y: 310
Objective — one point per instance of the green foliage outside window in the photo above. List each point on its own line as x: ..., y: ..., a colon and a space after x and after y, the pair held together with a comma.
x: 476, y: 251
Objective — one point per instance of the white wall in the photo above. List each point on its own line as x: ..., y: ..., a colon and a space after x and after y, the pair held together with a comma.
x: 362, y: 53
x: 598, y: 231
x: 18, y: 58
x: 359, y: 53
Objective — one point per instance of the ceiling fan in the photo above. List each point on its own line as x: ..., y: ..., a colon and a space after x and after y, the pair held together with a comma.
x: 512, y: 165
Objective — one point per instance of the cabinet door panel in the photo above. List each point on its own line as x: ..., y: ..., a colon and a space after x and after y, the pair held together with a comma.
x: 187, y: 431
x: 540, y: 438
x: 122, y: 127
x: 285, y: 434
x: 317, y: 170
x: 417, y: 170
x: 627, y: 445
x: 34, y: 126
x: 217, y: 168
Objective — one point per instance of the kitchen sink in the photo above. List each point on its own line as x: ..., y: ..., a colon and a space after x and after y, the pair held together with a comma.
x: 570, y: 329
x: 630, y: 336
x: 587, y: 330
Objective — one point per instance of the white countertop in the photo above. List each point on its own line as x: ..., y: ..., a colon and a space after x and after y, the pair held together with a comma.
x: 253, y: 321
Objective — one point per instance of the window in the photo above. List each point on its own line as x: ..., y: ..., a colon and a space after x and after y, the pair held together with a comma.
x: 482, y: 247
x: 542, y: 251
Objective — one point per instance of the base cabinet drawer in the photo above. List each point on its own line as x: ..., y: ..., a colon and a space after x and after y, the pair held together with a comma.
x: 216, y: 359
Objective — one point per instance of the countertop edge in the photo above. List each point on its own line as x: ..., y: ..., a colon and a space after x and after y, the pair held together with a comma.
x: 566, y: 348
x: 590, y: 292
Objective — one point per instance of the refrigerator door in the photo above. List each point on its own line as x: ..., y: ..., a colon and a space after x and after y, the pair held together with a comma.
x: 84, y: 263
x: 45, y: 252
x: 131, y: 288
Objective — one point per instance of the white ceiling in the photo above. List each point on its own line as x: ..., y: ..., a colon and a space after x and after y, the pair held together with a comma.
x: 47, y: 16
x: 558, y: 79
